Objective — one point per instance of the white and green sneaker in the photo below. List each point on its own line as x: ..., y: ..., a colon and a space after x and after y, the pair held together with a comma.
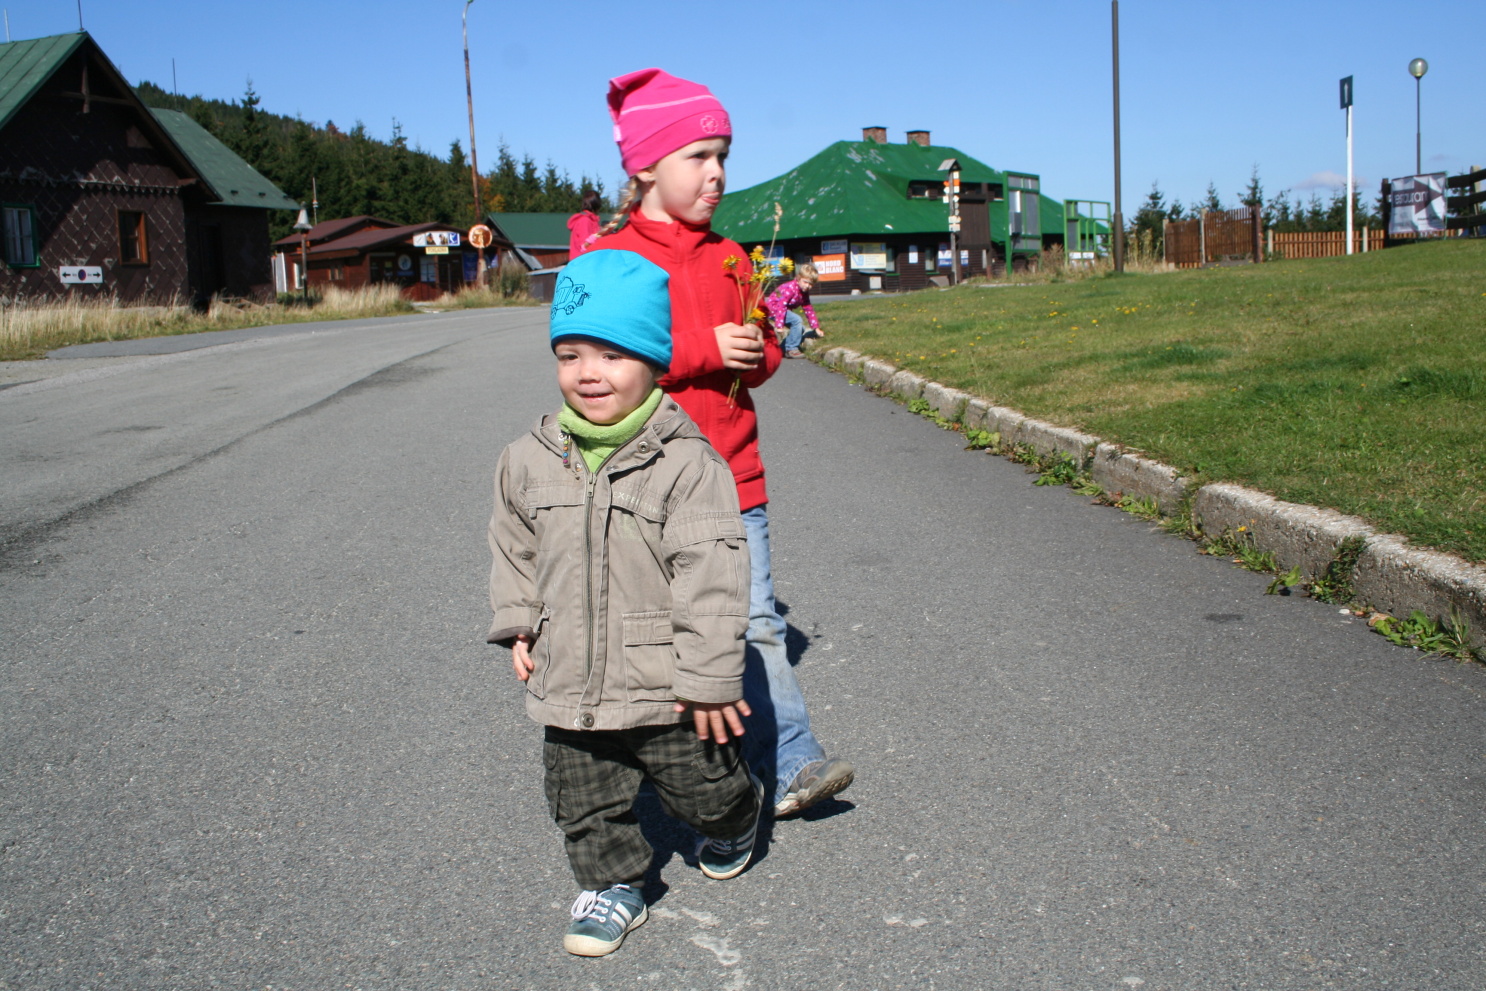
x: 722, y: 859
x: 601, y: 918
x: 815, y: 783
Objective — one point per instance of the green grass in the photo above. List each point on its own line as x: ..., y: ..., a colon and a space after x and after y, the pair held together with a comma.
x: 1356, y: 383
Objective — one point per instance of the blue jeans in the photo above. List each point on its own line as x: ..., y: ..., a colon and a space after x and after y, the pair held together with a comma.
x: 795, y: 330
x: 778, y: 744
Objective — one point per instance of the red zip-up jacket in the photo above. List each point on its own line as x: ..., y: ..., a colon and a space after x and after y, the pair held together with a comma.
x: 703, y: 296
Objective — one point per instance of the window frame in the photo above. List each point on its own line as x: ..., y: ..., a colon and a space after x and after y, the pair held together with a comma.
x: 142, y: 244
x: 5, y: 209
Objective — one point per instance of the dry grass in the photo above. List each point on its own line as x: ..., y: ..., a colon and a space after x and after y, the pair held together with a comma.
x: 30, y: 330
x: 481, y: 297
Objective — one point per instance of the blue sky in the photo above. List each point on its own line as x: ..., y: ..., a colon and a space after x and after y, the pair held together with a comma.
x: 1208, y: 88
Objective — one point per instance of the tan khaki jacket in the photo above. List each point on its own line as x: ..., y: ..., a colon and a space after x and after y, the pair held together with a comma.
x: 633, y: 579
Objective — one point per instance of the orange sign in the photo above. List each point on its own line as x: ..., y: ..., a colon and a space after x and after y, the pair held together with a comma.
x: 481, y: 236
x: 830, y: 268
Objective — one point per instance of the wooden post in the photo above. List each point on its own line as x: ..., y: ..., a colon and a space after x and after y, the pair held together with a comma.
x: 1202, y: 238
x: 1256, y: 222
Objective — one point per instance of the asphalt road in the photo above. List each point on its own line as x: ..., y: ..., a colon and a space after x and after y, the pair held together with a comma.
x: 252, y: 736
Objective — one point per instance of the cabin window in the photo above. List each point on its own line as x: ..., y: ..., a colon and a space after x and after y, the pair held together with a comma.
x: 134, y: 248
x: 337, y: 271
x: 925, y: 189
x: 20, y: 236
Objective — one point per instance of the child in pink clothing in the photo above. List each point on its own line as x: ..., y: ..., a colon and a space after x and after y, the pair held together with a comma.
x: 784, y: 301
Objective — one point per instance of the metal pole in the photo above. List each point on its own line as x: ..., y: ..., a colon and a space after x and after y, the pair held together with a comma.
x: 1349, y: 180
x: 1418, y: 144
x: 304, y: 266
x: 1119, y: 216
x: 469, y: 94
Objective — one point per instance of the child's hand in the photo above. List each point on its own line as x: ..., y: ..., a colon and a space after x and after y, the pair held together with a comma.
x: 741, y: 346
x: 713, y: 719
x: 521, y: 657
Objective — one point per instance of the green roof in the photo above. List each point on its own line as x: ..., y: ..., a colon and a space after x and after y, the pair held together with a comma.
x: 26, y: 65
x: 235, y: 182
x: 852, y: 187
x: 534, y: 230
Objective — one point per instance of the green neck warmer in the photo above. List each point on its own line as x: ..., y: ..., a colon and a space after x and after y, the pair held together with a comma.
x: 597, y: 441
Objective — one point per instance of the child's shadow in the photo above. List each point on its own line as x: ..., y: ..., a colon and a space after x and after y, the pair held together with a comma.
x: 672, y: 839
x: 796, y: 640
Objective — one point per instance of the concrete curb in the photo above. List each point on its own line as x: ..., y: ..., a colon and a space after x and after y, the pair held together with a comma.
x: 1390, y: 575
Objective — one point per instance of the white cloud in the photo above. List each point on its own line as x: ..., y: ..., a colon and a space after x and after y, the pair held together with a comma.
x: 1326, y: 179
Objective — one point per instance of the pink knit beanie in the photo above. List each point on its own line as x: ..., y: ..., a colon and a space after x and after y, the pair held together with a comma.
x: 655, y: 113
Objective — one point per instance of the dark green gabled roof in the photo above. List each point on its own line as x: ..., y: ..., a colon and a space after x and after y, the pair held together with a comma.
x: 533, y: 230
x: 235, y: 182
x: 26, y: 65
x: 852, y: 187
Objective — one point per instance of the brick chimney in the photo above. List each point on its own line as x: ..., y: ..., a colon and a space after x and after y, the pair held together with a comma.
x: 919, y: 138
x: 877, y: 134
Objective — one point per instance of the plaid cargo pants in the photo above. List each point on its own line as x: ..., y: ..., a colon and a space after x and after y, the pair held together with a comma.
x: 593, y: 776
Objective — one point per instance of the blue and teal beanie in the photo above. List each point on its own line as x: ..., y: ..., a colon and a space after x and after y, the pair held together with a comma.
x: 617, y: 298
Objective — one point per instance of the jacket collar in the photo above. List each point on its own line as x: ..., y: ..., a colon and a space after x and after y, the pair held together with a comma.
x: 677, y: 236
x: 668, y: 422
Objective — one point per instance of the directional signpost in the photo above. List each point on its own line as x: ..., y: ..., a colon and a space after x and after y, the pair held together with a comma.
x: 1346, y: 88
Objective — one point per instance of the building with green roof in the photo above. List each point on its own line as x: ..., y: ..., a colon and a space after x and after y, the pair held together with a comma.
x: 871, y: 215
x: 101, y: 195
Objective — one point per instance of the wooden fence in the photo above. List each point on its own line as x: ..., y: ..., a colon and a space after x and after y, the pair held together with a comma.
x: 1215, y: 237
x: 1321, y: 244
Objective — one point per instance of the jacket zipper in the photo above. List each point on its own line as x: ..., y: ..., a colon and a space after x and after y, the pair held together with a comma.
x: 588, y: 573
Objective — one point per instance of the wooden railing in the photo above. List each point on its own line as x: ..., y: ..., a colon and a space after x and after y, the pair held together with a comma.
x: 1320, y: 244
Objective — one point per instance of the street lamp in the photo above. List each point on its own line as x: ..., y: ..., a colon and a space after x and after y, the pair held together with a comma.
x: 1417, y: 69
x: 303, y: 225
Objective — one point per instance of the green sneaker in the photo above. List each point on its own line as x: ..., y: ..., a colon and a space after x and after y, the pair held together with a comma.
x: 601, y: 918
x: 722, y: 859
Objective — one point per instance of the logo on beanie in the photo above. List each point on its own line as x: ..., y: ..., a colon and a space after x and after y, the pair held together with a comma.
x: 708, y: 123
x: 568, y: 296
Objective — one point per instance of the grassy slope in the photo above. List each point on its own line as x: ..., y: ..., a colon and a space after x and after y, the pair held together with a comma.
x: 1356, y: 383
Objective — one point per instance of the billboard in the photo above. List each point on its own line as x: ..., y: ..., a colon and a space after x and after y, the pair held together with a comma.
x: 869, y: 255
x: 1416, y: 205
x: 830, y: 268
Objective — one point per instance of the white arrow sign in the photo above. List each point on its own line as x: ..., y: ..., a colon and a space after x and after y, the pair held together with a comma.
x: 81, y: 275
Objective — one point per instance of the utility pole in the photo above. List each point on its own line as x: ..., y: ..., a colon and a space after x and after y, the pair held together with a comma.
x: 469, y: 94
x: 1119, y: 215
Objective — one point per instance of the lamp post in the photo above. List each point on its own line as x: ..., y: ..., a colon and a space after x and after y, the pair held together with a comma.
x: 1417, y: 68
x: 1119, y: 215
x: 303, y: 226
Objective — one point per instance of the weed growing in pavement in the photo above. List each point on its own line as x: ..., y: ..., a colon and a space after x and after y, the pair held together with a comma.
x: 1141, y: 507
x: 1422, y: 633
x: 979, y: 440
x: 1086, y: 486
x: 1239, y: 547
x: 920, y: 406
x: 1283, y: 583
x: 1334, y: 585
x: 1057, y: 469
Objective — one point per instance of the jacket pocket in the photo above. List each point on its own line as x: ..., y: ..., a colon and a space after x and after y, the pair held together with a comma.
x: 541, y: 654
x: 649, y: 656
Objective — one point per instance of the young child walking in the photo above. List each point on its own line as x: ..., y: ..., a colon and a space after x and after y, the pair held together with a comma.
x: 618, y: 583
x: 674, y: 137
x: 783, y: 304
